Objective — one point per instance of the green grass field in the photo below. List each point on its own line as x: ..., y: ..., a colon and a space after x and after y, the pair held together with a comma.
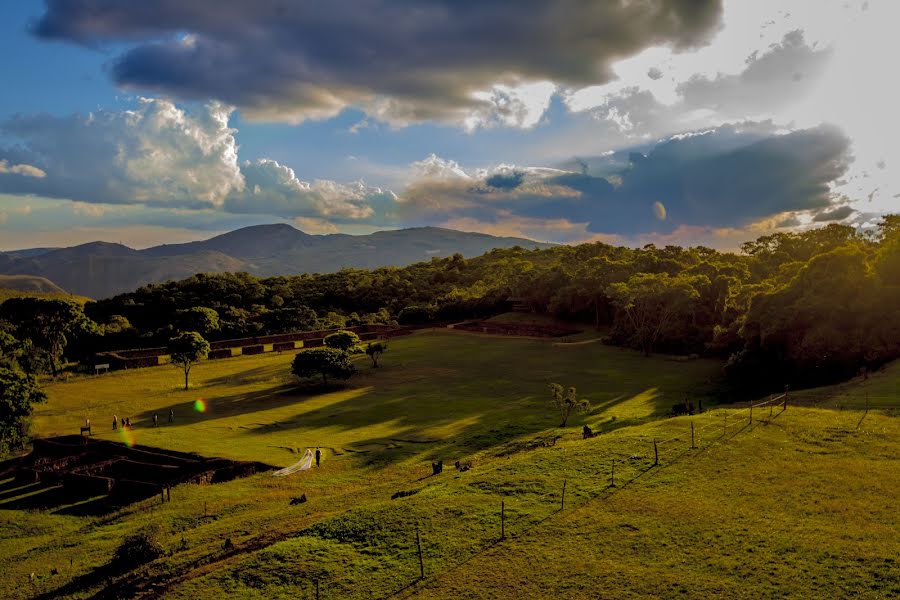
x: 795, y: 506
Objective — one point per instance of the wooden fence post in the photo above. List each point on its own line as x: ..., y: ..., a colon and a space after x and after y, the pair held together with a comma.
x: 562, y: 505
x: 655, y: 454
x: 751, y: 413
x: 725, y: 426
x: 693, y: 446
x: 786, y: 388
x: 419, y: 546
x: 317, y: 589
x: 502, y: 520
x: 612, y: 474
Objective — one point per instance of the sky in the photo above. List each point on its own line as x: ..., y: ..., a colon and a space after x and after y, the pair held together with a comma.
x: 631, y: 122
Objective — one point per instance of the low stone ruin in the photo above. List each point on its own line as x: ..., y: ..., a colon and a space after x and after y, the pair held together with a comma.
x: 71, y: 469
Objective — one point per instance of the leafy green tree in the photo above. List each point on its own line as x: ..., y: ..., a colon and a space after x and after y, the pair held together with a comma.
x: 117, y: 324
x: 374, y: 350
x: 10, y: 348
x: 18, y: 393
x: 288, y: 320
x: 346, y: 341
x: 649, y: 303
x: 48, y: 324
x: 567, y: 402
x: 199, y: 318
x: 325, y: 362
x: 186, y: 349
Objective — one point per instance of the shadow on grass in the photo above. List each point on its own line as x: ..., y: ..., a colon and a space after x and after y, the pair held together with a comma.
x: 465, y: 387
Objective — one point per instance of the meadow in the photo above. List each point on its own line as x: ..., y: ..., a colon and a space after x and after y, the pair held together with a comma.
x: 795, y: 504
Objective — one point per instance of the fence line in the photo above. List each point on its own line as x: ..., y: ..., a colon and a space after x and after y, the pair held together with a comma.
x: 625, y: 475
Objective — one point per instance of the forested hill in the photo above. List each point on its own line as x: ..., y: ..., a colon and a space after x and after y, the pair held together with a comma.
x: 796, y: 308
x: 101, y: 269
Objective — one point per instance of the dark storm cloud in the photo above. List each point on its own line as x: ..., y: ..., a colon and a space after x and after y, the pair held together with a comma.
x: 725, y: 178
x: 506, y: 181
x: 403, y: 60
x: 699, y: 184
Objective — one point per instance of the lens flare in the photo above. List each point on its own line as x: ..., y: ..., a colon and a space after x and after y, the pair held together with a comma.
x: 659, y: 210
x: 126, y: 435
x: 200, y: 405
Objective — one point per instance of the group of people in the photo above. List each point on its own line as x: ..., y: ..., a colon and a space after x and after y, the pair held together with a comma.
x: 126, y: 422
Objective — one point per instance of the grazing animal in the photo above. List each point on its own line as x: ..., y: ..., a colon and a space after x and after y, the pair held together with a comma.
x: 300, y: 500
x: 586, y: 433
x: 684, y: 408
x: 437, y: 468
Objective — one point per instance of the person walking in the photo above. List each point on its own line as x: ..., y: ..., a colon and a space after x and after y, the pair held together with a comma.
x: 171, y: 415
x: 155, y: 419
x: 115, y: 422
x: 318, y: 457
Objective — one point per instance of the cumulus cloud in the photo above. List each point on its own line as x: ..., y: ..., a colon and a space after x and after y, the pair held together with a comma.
x: 160, y: 155
x: 272, y: 188
x: 293, y: 61
x: 24, y: 170
x: 156, y: 153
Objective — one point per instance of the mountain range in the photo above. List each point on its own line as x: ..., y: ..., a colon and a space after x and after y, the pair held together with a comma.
x: 103, y: 269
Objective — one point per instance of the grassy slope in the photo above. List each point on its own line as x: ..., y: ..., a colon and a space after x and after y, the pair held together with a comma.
x: 798, y: 504
x: 882, y: 388
x: 30, y: 283
x: 28, y: 286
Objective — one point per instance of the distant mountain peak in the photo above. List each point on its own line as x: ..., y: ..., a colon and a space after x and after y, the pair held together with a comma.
x: 102, y: 269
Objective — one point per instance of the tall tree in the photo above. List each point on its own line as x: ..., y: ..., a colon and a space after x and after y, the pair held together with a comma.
x: 18, y: 392
x: 186, y: 349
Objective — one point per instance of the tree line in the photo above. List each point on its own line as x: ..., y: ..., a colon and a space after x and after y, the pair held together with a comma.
x: 797, y: 308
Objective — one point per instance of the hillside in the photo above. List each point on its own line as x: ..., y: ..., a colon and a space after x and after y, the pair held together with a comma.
x: 20, y: 286
x: 28, y: 283
x: 795, y: 505
x: 101, y: 269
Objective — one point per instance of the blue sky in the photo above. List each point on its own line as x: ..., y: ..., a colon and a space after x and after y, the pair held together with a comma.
x: 697, y: 123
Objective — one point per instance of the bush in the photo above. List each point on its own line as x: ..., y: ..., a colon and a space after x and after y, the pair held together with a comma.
x: 139, y: 549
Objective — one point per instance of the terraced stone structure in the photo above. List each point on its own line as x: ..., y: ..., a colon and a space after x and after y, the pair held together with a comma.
x: 98, y: 475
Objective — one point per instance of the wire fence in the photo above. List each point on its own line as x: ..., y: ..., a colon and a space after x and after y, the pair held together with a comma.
x: 619, y: 469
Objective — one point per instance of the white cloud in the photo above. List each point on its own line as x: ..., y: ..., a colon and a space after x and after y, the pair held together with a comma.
x: 21, y: 169
x: 511, y: 106
x: 435, y: 167
x: 273, y: 188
